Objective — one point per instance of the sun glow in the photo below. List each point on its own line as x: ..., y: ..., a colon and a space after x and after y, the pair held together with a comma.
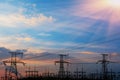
x: 114, y: 3
x: 104, y: 10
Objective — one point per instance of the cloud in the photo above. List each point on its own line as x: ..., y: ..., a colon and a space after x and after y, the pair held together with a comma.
x: 16, y: 41
x: 86, y: 52
x: 44, y: 34
x: 34, y: 50
x: 19, y: 20
x: 22, y: 16
x: 4, y: 53
x: 41, y: 56
x: 24, y: 39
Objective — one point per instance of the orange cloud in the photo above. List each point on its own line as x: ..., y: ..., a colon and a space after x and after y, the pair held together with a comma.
x: 39, y: 62
x: 24, y: 39
x: 86, y: 52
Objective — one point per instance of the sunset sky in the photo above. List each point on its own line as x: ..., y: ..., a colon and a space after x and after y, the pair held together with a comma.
x: 84, y: 29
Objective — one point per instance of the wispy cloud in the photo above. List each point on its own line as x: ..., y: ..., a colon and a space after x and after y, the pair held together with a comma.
x: 27, y: 41
x: 44, y: 34
x: 86, y: 52
x: 19, y: 20
x: 16, y: 41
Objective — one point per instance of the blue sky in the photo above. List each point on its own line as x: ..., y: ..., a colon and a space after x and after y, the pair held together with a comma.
x: 77, y: 27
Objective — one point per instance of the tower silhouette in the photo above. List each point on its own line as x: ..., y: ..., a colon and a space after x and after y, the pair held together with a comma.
x: 104, y: 63
x: 61, y: 72
x: 12, y: 68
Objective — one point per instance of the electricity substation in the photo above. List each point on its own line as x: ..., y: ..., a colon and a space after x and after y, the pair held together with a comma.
x: 12, y: 72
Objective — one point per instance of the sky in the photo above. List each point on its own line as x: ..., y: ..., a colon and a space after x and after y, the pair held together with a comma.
x: 84, y: 29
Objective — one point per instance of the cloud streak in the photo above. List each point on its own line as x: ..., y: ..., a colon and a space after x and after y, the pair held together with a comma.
x: 19, y: 20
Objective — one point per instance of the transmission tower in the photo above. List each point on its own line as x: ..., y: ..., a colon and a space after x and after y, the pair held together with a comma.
x: 11, y: 65
x: 61, y: 72
x: 104, y: 63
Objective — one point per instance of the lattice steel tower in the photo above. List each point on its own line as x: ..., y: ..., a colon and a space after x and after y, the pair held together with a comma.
x: 61, y: 72
x: 12, y: 68
x: 104, y: 63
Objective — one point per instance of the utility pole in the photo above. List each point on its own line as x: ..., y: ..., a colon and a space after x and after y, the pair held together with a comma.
x: 12, y: 68
x: 104, y: 63
x: 61, y: 72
